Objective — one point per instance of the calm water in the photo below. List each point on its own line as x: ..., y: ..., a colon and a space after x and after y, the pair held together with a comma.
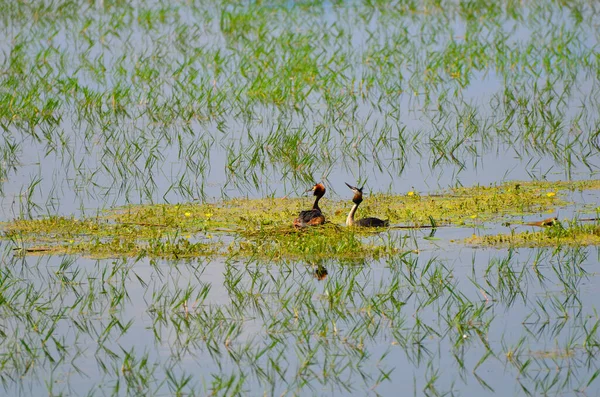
x: 172, y: 142
x: 527, y: 321
x: 181, y: 101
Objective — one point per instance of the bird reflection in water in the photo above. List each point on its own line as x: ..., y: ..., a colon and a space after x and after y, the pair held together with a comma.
x: 320, y: 273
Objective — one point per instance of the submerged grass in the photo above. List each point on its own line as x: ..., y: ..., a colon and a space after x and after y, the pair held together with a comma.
x: 144, y: 101
x: 262, y: 228
x: 107, y: 103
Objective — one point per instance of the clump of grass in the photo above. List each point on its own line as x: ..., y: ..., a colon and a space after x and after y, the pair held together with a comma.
x: 461, y: 206
x: 310, y: 244
x: 175, y: 248
x: 232, y: 214
x: 58, y: 228
x: 573, y: 235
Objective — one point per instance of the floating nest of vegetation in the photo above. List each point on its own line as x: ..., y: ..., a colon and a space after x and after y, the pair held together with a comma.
x: 263, y: 227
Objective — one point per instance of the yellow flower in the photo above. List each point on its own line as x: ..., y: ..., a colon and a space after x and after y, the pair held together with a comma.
x: 473, y: 216
x: 411, y: 193
x: 208, y: 215
x: 550, y: 194
x: 188, y: 214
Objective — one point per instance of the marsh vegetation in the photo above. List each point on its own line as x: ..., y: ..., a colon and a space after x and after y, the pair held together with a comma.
x: 153, y: 157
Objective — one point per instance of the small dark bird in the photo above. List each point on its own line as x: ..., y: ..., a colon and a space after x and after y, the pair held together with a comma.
x: 365, y: 222
x: 545, y: 223
x: 314, y: 216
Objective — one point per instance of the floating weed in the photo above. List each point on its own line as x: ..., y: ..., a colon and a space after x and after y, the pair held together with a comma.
x: 264, y: 224
x: 313, y: 244
x: 572, y: 235
x: 553, y: 354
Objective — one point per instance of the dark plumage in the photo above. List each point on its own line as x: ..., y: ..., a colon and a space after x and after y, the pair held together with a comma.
x: 371, y: 222
x: 365, y: 222
x: 314, y: 216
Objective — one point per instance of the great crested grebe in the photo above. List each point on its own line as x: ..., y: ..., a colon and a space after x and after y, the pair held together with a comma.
x: 315, y: 216
x: 364, y: 222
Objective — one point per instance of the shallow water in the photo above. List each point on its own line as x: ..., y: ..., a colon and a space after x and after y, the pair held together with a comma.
x: 385, y: 109
x: 340, y: 334
x: 110, y: 104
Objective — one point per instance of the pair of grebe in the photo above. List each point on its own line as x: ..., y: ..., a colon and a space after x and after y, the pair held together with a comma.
x: 315, y: 217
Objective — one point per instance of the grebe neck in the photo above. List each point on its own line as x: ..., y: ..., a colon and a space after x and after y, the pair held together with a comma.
x: 350, y: 219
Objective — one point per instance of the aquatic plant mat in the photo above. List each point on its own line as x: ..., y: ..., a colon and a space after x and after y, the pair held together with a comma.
x: 262, y: 228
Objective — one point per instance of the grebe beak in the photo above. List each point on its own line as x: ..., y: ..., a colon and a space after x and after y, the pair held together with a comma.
x: 354, y: 187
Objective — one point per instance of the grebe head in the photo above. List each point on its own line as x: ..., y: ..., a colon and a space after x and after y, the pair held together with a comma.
x: 357, y: 199
x: 318, y: 190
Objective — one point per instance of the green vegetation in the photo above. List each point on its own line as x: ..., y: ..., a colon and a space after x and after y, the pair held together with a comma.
x: 113, y: 111
x: 263, y: 227
x: 555, y: 236
x: 118, y: 93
